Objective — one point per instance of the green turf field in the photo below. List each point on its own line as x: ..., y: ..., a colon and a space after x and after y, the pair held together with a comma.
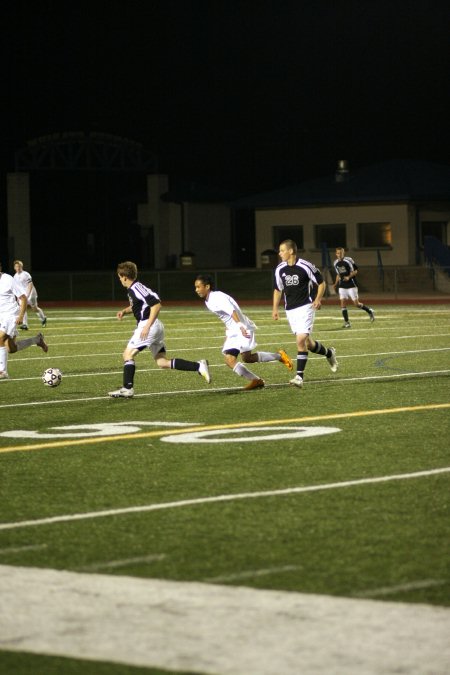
x: 339, y: 489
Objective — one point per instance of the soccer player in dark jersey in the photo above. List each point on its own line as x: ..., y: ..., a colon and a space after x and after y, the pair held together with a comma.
x: 145, y: 305
x: 303, y: 287
x: 346, y: 271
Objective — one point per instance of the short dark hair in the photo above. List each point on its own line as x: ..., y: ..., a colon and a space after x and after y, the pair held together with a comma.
x: 290, y: 243
x: 206, y: 279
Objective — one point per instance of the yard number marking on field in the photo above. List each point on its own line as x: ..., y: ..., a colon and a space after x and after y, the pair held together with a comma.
x: 67, y: 442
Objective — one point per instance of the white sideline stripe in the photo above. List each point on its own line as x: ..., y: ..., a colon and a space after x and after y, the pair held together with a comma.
x: 327, y: 381
x: 220, y: 498
x: 216, y: 629
x: 401, y: 588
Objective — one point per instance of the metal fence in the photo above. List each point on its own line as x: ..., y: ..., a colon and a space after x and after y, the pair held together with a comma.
x: 245, y: 284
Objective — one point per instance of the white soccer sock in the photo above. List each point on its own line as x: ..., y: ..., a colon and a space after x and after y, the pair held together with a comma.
x: 3, y: 359
x: 243, y: 371
x: 263, y: 357
x: 40, y: 313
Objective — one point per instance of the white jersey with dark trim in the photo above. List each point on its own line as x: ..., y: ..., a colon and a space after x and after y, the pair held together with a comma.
x: 141, y: 299
x: 223, y: 306
x: 23, y: 279
x: 298, y: 282
x: 10, y: 291
x: 343, y: 268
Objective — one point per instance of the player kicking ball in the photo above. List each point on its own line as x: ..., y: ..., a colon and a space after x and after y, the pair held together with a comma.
x: 145, y: 306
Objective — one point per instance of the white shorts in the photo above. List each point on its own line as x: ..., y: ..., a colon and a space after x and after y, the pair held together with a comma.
x: 235, y: 340
x: 348, y: 293
x: 8, y: 325
x: 154, y: 340
x: 301, y: 319
x: 32, y: 298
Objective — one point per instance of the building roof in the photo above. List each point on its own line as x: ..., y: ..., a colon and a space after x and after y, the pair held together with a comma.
x: 392, y: 181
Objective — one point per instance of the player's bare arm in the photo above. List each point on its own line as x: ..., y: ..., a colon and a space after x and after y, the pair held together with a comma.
x: 276, y: 304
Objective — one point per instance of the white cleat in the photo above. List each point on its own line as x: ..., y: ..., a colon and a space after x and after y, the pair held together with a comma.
x: 297, y: 381
x: 203, y: 370
x: 4, y: 375
x: 332, y: 360
x: 122, y: 393
x: 372, y: 315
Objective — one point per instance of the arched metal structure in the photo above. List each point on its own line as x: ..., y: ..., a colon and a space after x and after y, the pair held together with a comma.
x: 79, y: 151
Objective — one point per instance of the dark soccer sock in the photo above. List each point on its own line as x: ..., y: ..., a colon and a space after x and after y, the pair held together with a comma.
x: 365, y: 308
x: 345, y: 315
x: 181, y: 364
x: 318, y: 349
x: 128, y: 374
x: 302, y: 359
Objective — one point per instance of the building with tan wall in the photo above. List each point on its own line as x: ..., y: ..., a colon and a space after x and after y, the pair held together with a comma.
x: 385, y: 210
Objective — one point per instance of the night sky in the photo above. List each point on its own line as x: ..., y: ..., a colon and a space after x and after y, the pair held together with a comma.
x: 243, y: 94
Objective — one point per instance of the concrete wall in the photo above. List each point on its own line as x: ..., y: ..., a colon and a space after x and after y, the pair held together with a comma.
x: 201, y: 228
x: 401, y: 217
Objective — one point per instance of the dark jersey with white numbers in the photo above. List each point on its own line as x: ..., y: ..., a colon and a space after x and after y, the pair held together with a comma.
x: 298, y: 282
x: 343, y: 268
x: 141, y: 299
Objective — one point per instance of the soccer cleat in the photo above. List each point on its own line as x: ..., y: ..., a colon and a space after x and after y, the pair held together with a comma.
x: 285, y: 360
x: 203, y: 370
x: 44, y: 321
x: 297, y: 381
x: 347, y: 324
x: 372, y: 315
x: 41, y: 342
x: 122, y: 393
x: 332, y: 360
x: 23, y: 326
x: 255, y: 384
x: 4, y: 375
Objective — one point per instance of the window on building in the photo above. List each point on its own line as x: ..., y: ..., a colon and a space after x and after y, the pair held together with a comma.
x: 332, y: 235
x: 374, y: 235
x: 282, y: 232
x: 434, y: 228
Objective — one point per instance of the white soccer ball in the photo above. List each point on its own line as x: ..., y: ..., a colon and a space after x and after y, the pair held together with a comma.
x: 52, y: 377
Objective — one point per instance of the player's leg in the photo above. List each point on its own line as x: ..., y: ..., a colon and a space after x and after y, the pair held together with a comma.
x: 265, y: 357
x: 231, y: 359
x: 3, y: 356
x: 343, y: 294
x: 317, y: 347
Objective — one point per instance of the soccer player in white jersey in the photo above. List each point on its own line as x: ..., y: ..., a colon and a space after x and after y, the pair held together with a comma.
x: 24, y: 279
x: 239, y: 333
x: 13, y: 303
x: 303, y: 287
x: 346, y: 271
x: 145, y: 305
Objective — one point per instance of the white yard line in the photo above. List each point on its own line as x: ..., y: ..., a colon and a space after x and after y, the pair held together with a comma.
x: 182, y: 392
x: 212, y: 629
x: 124, y: 562
x: 21, y: 549
x: 221, y: 498
x: 252, y: 574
